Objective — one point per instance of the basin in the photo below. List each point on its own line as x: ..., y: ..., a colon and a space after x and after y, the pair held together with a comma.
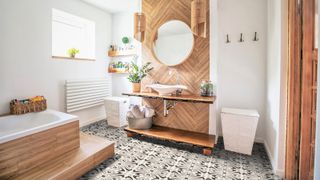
x: 166, y: 89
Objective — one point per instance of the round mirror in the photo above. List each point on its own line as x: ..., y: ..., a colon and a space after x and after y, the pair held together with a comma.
x: 173, y: 43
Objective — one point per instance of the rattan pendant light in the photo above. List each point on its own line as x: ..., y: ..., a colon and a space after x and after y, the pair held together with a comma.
x: 139, y: 25
x: 199, y: 18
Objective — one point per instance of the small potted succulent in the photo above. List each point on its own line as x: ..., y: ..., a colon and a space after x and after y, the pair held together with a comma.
x: 207, y: 89
x: 72, y: 52
x: 136, y: 74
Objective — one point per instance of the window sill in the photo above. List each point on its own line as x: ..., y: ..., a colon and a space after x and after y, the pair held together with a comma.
x: 69, y: 58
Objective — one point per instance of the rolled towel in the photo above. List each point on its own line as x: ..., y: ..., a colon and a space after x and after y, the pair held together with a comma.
x: 130, y: 114
x: 137, y: 113
x: 149, y: 112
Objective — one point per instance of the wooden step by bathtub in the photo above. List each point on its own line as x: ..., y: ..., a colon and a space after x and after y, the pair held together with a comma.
x: 92, y: 151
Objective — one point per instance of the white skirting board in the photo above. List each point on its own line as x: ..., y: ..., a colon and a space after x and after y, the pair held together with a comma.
x: 93, y: 120
x: 279, y: 172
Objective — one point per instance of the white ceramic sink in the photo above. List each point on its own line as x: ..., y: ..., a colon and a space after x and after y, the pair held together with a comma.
x: 166, y: 89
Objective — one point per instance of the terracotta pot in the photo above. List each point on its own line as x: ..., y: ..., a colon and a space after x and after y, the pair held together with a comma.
x: 136, y: 87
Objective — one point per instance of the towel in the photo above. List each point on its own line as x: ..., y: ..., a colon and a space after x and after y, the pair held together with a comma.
x: 137, y: 113
x: 149, y: 112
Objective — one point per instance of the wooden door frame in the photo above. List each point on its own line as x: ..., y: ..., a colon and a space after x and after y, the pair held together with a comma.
x: 294, y: 91
x: 301, y: 42
x: 308, y: 19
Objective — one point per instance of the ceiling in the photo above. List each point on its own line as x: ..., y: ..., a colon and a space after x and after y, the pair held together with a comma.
x: 115, y: 6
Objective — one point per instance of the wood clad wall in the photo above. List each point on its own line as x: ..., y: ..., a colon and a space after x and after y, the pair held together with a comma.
x: 186, y: 116
x: 20, y: 155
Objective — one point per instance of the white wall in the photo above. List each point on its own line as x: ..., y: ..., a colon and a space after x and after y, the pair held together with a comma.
x: 26, y: 66
x: 276, y: 84
x: 252, y: 74
x: 214, y: 51
x: 241, y: 72
x: 123, y: 26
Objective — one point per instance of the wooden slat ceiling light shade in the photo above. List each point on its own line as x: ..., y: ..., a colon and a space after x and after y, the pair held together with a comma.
x: 139, y: 26
x: 199, y: 17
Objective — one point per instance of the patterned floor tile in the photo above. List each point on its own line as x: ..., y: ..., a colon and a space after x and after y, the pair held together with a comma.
x: 145, y: 158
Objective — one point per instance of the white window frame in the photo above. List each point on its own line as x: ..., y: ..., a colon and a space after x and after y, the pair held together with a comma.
x: 86, y: 30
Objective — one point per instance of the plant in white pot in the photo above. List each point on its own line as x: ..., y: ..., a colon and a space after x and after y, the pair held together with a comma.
x: 136, y: 74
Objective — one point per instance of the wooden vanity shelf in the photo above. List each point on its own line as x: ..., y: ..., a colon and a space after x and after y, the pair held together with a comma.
x: 183, y: 98
x: 199, y: 139
x: 203, y: 140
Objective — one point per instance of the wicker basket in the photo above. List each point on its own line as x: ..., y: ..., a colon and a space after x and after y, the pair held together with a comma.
x: 21, y: 108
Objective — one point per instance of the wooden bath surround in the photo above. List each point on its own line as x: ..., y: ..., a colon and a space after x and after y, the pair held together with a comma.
x: 56, y: 153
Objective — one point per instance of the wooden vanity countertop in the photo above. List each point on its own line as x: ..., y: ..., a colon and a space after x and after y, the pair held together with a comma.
x: 182, y: 97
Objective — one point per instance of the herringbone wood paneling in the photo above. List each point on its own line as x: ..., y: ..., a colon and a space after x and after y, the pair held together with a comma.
x: 185, y: 116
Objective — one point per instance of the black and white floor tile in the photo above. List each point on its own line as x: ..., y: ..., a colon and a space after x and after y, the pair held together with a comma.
x: 147, y: 159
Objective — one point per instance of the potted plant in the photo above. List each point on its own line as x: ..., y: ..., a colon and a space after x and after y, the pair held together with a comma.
x: 136, y: 74
x: 72, y: 52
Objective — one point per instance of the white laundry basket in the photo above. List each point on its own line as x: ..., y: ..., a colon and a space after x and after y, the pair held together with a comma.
x: 116, y: 110
x: 239, y: 129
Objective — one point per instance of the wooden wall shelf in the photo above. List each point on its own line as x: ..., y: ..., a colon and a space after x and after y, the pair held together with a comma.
x: 184, y: 98
x: 132, y: 52
x: 70, y: 58
x: 118, y: 72
x: 199, y: 139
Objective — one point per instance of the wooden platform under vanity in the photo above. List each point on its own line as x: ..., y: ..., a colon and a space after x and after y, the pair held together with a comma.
x: 204, y: 140
x: 199, y: 139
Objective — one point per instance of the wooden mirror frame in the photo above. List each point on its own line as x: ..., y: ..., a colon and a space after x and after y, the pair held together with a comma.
x: 154, y: 34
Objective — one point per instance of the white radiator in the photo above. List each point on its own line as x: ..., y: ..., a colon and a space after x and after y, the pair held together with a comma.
x: 83, y: 94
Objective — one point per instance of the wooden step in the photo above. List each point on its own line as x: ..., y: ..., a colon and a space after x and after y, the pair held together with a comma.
x: 93, y: 151
x: 203, y: 140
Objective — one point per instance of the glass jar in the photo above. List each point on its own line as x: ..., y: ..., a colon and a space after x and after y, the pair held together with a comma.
x: 207, y: 88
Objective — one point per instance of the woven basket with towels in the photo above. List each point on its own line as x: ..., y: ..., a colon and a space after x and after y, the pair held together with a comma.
x: 140, y: 117
x: 35, y: 104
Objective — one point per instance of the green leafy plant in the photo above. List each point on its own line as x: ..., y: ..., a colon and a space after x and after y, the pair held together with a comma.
x: 136, y: 74
x: 125, y: 40
x: 72, y: 52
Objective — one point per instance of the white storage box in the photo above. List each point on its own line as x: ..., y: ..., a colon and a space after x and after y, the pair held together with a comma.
x: 239, y: 129
x: 116, y: 109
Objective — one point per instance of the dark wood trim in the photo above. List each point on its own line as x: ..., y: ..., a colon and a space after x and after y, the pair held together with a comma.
x: 294, y: 91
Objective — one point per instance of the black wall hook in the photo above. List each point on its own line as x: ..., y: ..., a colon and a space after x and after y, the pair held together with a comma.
x: 228, y: 40
x: 255, y: 37
x: 241, y: 38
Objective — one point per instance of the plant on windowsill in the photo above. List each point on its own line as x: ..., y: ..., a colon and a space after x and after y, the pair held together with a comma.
x: 72, y: 52
x: 136, y: 74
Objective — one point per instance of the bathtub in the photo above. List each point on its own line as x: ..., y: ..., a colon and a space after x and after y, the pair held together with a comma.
x: 29, y: 140
x: 17, y: 126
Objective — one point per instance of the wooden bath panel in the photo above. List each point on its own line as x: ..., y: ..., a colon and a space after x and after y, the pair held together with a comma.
x: 185, y: 116
x: 93, y: 150
x: 22, y: 154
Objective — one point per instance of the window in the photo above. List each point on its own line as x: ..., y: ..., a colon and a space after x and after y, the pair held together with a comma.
x: 70, y: 31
